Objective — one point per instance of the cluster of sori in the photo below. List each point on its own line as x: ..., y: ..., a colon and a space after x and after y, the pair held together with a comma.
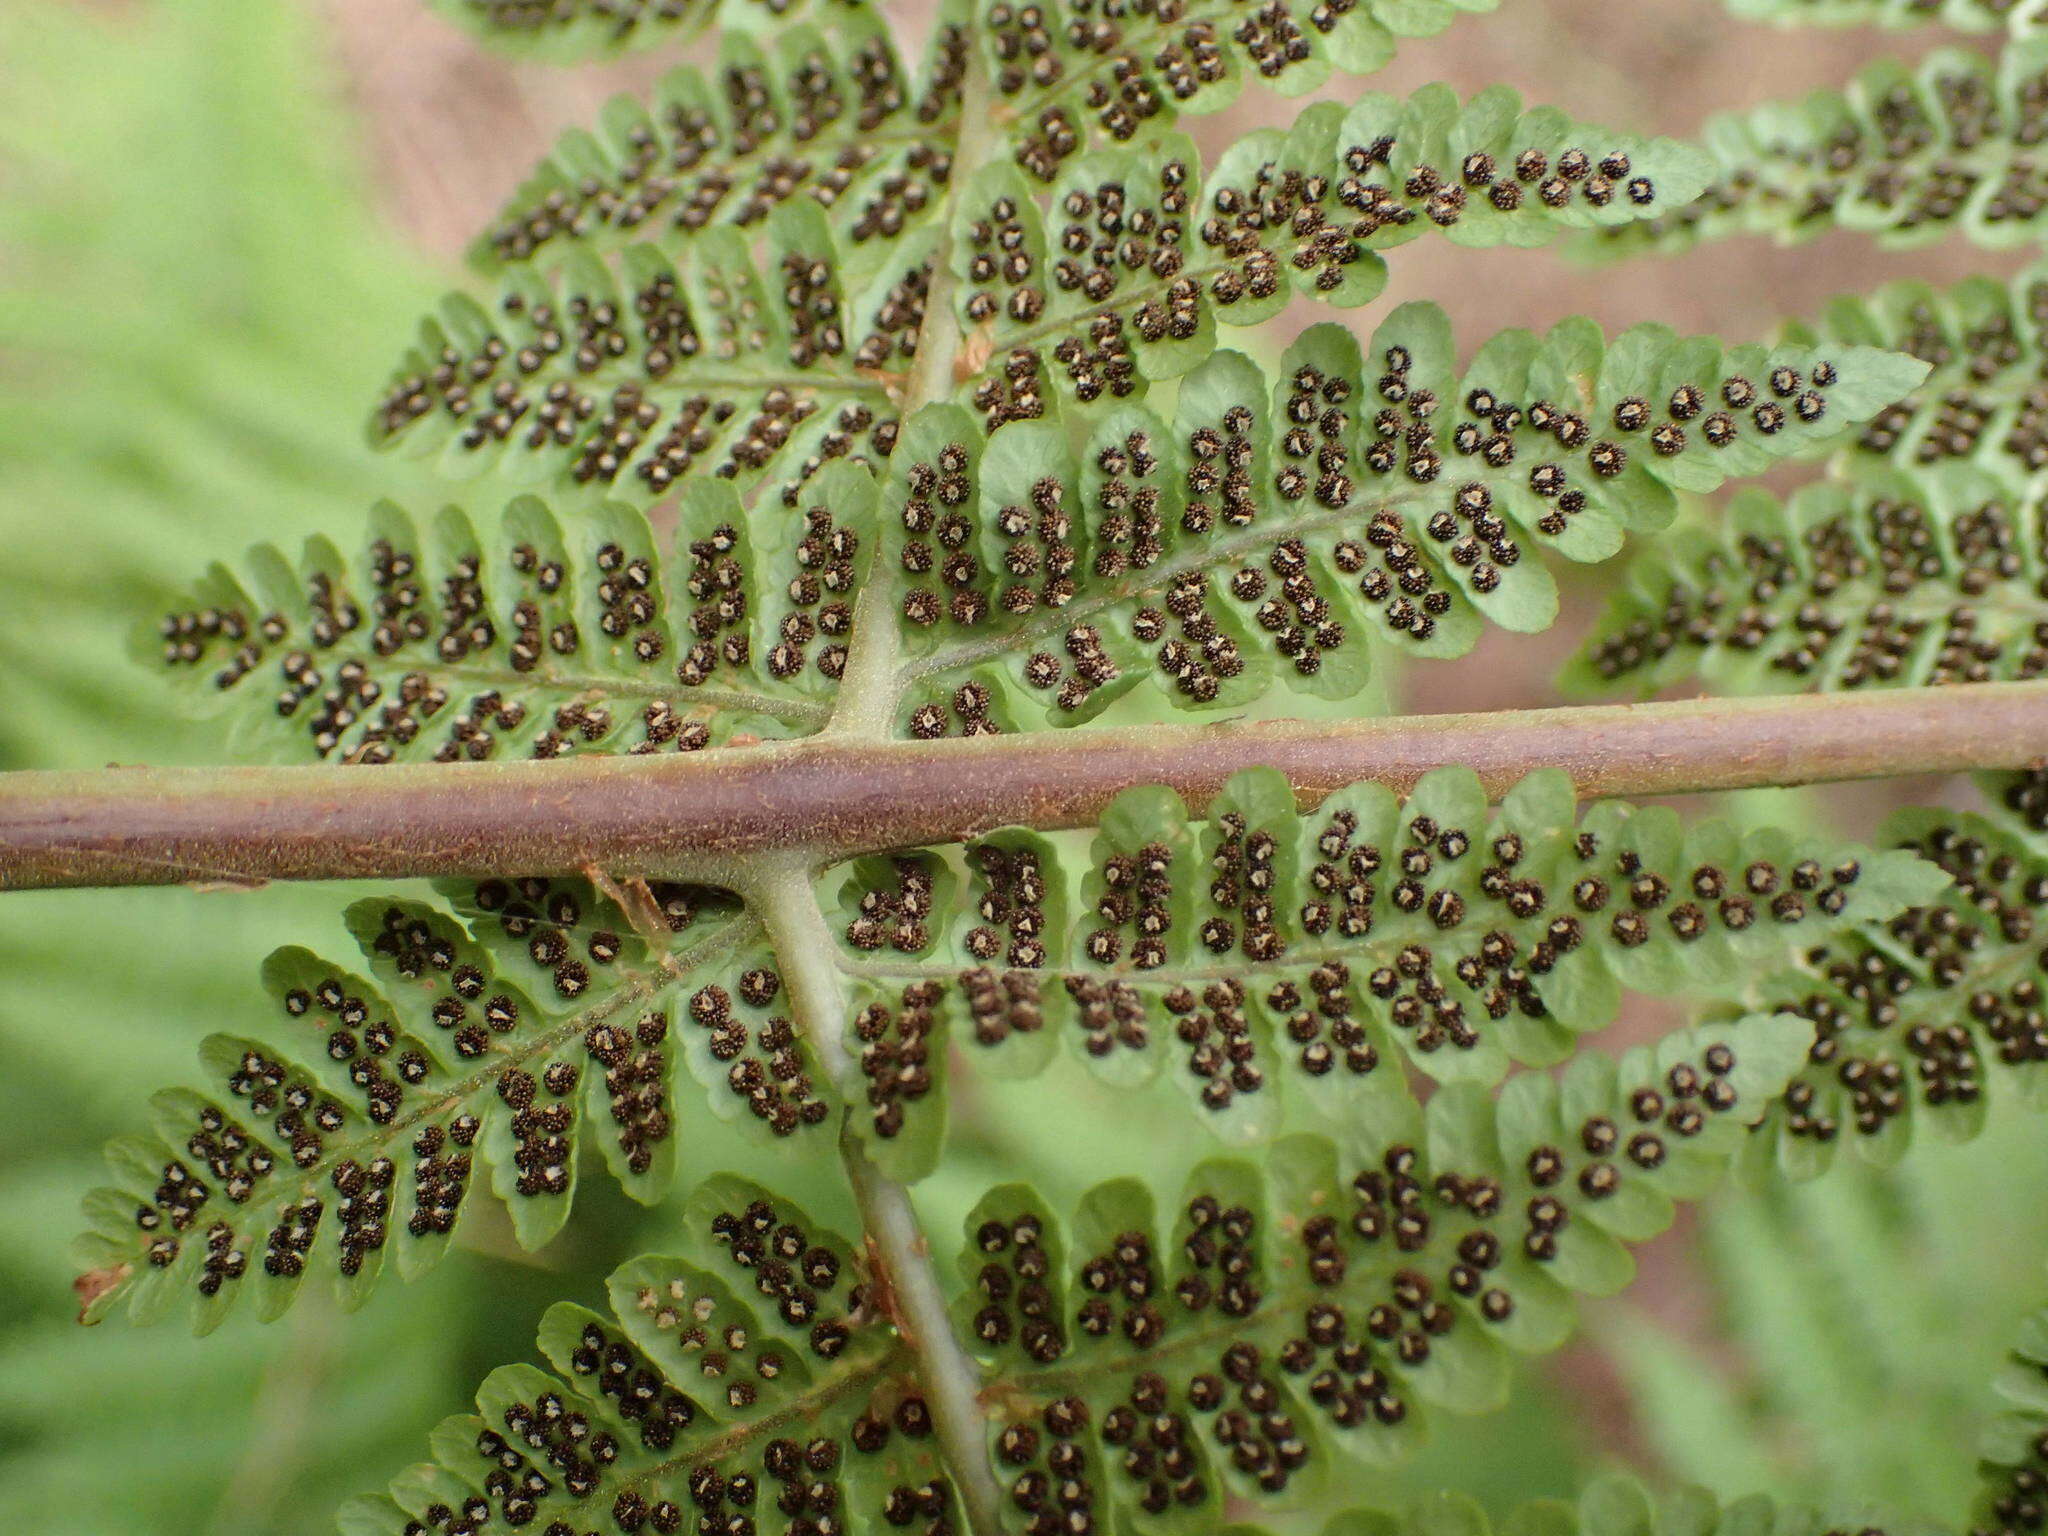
x: 1274, y: 529
x: 537, y: 641
x: 631, y: 383
x: 1906, y: 155
x: 1123, y: 274
x: 1261, y: 950
x: 359, y: 1135
x: 570, y: 30
x: 899, y: 1057
x: 721, y: 293
x: 1245, y: 532
x: 758, y: 1055
x: 829, y: 114
x: 1884, y: 582
x: 1306, y: 1312
x: 1289, y: 1316
x: 752, y: 1380
x: 552, y: 1459
x: 728, y: 283
x: 1011, y: 1268
x: 814, y: 606
x: 1916, y: 1020
x: 1924, y: 564
x: 824, y: 117
x: 1983, y: 401
x: 621, y: 18
x: 1072, y: 74
x: 878, y: 343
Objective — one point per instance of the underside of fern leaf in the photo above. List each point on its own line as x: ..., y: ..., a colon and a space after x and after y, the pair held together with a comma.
x: 1893, y: 580
x: 1260, y: 956
x: 537, y: 641
x: 826, y: 113
x: 756, y: 1366
x: 1276, y: 1324
x: 731, y: 282
x: 630, y: 376
x: 1905, y: 155
x: 1919, y: 564
x: 1270, y: 1326
x: 915, y: 358
x: 1106, y: 280
x: 363, y: 1128
x: 1983, y: 402
x: 1068, y: 73
x: 1922, y: 1021
x: 1379, y: 496
x: 1267, y: 959
x: 1266, y: 536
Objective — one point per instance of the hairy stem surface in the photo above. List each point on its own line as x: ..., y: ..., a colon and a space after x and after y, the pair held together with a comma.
x: 702, y: 816
x: 781, y: 894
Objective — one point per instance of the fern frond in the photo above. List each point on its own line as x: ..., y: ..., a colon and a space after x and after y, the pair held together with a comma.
x: 713, y: 308
x: 358, y: 1132
x: 1268, y: 958
x: 825, y: 113
x: 1920, y: 1019
x: 647, y: 364
x: 1106, y: 279
x: 1276, y: 528
x: 628, y: 377
x: 1288, y: 1320
x: 1903, y: 155
x: 1890, y: 580
x: 1372, y: 929
x: 757, y: 1365
x: 569, y: 30
x: 1984, y: 400
x: 1277, y: 1326
x: 534, y: 640
x: 828, y: 111
x: 1263, y: 539
x: 2014, y: 1470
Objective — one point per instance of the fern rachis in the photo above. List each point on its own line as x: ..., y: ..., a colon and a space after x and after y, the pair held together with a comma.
x: 800, y: 749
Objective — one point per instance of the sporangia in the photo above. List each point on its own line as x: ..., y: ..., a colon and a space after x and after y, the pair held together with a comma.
x: 855, y: 417
x: 1902, y: 154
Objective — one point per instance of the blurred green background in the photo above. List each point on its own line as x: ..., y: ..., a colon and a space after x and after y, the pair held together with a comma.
x: 218, y: 219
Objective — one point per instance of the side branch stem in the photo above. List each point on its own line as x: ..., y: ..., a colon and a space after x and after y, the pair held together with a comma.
x: 872, y: 686
x: 780, y: 894
x: 703, y: 815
